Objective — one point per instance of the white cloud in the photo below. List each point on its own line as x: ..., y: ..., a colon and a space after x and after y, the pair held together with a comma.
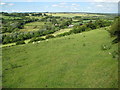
x: 98, y: 0
x: 30, y: 0
x: 55, y: 5
x: 105, y: 0
x: 7, y: 4
x: 75, y: 9
x: 99, y: 5
x: 61, y: 0
x: 10, y: 4
x: 75, y: 5
x: 62, y: 3
x: 72, y: 6
x: 3, y: 3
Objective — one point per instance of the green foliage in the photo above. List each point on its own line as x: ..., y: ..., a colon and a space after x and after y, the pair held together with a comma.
x: 63, y: 34
x: 49, y: 36
x: 115, y: 30
x: 36, y: 39
x: 115, y: 27
x: 106, y: 47
x: 77, y: 17
x: 115, y: 54
x: 20, y: 42
x: 15, y: 25
x: 91, y: 25
x: 78, y: 29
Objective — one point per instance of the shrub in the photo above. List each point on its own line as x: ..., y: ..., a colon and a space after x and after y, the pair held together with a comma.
x: 105, y: 47
x: 36, y: 39
x: 50, y: 36
x: 115, y: 54
x: 20, y: 42
x: 79, y: 29
x: 114, y: 30
x: 64, y: 34
x: 91, y: 25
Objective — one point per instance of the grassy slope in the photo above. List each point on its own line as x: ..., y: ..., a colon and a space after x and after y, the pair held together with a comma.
x: 62, y: 62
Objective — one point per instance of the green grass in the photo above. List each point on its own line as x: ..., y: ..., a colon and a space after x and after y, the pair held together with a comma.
x: 10, y: 18
x: 75, y: 61
x: 33, y: 26
x: 36, y: 17
x: 62, y: 31
x: 72, y: 14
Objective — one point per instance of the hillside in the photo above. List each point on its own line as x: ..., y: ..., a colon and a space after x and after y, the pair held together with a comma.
x: 76, y: 61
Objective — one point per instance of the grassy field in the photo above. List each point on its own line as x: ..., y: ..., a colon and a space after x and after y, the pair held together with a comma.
x: 11, y: 18
x: 62, y: 31
x: 72, y: 14
x: 33, y: 26
x: 75, y: 61
x: 36, y: 17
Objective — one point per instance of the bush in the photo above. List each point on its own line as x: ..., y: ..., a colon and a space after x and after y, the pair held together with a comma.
x: 64, y: 34
x: 105, y: 47
x: 114, y: 30
x: 36, y: 39
x: 79, y: 29
x: 20, y: 42
x: 50, y: 36
x: 115, y: 54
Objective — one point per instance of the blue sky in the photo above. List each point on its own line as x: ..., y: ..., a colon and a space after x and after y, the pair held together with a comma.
x: 30, y: 6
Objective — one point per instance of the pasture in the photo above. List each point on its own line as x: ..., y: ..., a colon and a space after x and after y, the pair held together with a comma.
x: 72, y: 14
x: 74, y: 61
x: 62, y: 31
x: 33, y: 26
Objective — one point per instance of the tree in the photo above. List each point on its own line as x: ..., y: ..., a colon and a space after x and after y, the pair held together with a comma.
x: 115, y: 30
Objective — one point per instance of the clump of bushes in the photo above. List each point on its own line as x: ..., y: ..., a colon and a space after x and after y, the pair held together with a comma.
x: 20, y: 42
x: 115, y: 54
x: 36, y: 39
x: 105, y: 47
x: 84, y: 44
x: 49, y: 36
x: 64, y: 34
x: 115, y: 30
x: 78, y: 29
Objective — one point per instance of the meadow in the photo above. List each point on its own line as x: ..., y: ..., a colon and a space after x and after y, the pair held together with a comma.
x: 33, y: 26
x: 72, y: 14
x: 59, y: 50
x: 74, y: 61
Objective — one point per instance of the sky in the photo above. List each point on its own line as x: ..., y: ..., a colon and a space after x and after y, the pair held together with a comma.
x: 92, y: 6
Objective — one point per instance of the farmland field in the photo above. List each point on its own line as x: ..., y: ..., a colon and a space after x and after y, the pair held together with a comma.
x: 33, y: 26
x: 62, y: 31
x: 75, y: 61
x: 72, y: 14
